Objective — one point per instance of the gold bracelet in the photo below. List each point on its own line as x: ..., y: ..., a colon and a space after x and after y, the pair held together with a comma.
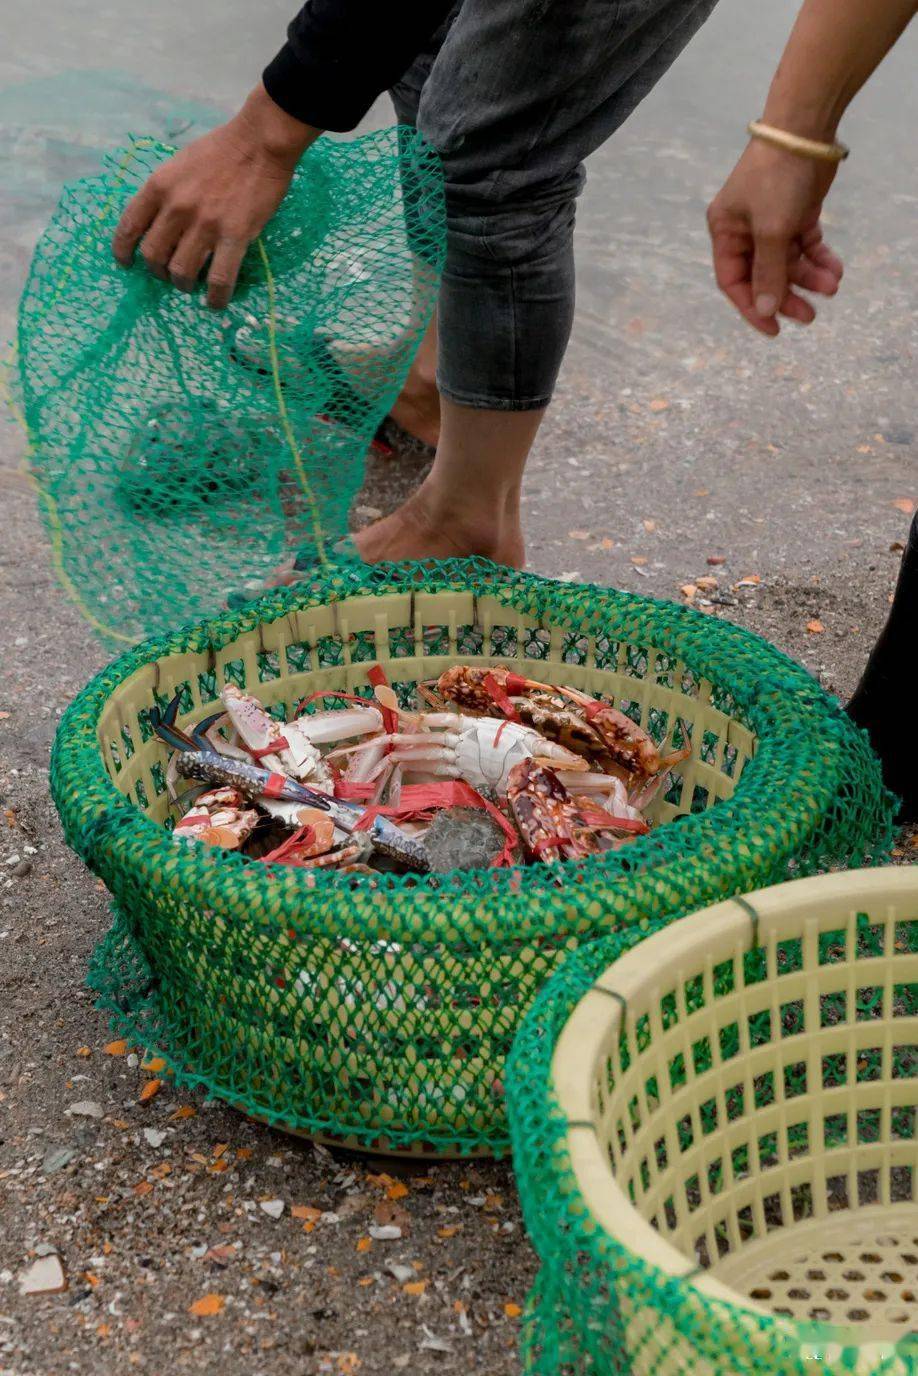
x: 793, y: 143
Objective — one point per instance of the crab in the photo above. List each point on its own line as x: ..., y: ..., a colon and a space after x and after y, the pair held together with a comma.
x: 555, y: 824
x: 600, y: 733
x: 550, y: 822
x: 480, y: 750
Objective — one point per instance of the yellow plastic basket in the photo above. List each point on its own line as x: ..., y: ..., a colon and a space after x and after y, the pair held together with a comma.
x: 739, y: 1158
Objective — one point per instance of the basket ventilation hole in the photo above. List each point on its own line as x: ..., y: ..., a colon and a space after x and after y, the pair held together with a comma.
x: 867, y: 1286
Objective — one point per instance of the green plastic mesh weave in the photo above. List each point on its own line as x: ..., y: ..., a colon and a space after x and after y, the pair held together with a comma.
x: 381, y: 1009
x: 181, y: 453
x: 599, y: 1307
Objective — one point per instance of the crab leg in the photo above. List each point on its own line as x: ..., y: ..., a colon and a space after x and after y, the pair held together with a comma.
x: 289, y: 814
x: 218, y: 817
x: 480, y: 750
x: 321, y: 728
x: 643, y: 796
x: 371, y: 764
x: 312, y: 847
x: 592, y: 782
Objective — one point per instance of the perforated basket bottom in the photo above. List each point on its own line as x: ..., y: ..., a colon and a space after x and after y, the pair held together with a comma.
x: 857, y: 1269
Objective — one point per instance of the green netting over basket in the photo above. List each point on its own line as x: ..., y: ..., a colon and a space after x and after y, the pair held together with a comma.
x: 181, y: 453
x: 381, y: 1009
x: 714, y: 1133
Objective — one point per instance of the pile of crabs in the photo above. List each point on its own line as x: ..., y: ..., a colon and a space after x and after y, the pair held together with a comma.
x: 488, y: 768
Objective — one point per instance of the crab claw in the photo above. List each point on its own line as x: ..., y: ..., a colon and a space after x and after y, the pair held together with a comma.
x: 167, y: 718
x: 163, y: 724
x: 199, y: 732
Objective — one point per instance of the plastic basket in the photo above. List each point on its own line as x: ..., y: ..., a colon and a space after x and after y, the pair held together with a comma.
x: 380, y: 1010
x: 718, y: 1161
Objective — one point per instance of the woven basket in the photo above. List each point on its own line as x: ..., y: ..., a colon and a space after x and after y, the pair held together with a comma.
x: 738, y: 1166
x: 380, y: 1010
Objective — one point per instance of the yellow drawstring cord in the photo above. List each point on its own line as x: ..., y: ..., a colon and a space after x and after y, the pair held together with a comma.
x: 282, y: 408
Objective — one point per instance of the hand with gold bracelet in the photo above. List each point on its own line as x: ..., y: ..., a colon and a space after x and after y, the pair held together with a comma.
x: 765, y: 221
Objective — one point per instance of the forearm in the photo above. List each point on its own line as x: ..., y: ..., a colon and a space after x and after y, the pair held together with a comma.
x: 834, y: 47
x: 341, y: 54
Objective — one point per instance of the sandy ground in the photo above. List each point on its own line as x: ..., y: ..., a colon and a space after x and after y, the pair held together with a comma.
x: 676, y: 436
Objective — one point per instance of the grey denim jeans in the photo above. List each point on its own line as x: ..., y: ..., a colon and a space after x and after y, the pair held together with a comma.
x: 514, y: 94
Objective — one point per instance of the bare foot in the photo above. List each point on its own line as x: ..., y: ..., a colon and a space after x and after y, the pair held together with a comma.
x: 417, y: 531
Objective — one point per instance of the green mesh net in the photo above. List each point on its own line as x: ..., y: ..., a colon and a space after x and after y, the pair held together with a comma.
x: 380, y: 1009
x: 181, y: 453
x: 781, y: 1140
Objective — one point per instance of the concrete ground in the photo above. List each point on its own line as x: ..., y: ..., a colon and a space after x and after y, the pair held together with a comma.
x: 677, y: 435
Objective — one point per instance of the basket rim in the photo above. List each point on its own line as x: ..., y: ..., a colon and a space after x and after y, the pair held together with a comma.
x: 778, y: 696
x: 706, y: 937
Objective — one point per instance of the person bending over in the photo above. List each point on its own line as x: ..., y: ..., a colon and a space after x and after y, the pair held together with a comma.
x: 513, y: 94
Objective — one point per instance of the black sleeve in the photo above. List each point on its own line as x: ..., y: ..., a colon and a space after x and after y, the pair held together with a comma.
x: 341, y: 54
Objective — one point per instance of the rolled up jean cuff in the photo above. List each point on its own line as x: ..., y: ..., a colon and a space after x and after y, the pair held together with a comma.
x: 485, y: 403
x: 506, y: 306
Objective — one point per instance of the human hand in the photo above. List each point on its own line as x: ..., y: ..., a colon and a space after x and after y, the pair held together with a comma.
x: 766, y: 236
x: 213, y: 198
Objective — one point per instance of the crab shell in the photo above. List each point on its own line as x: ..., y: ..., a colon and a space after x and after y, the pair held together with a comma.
x: 546, y: 815
x: 557, y: 720
x: 465, y: 684
x: 628, y: 744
